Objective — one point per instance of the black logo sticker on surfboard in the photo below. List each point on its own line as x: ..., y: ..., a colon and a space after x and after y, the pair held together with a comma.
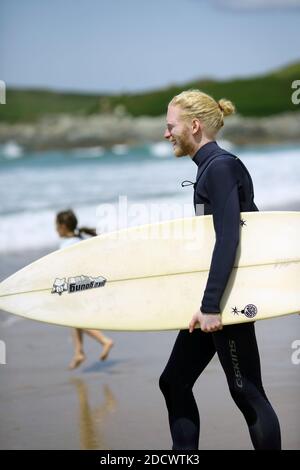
x: 249, y: 311
x: 76, y: 284
x: 242, y: 223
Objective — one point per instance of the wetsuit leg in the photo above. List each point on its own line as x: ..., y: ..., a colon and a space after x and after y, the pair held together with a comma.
x: 238, y: 353
x: 190, y: 355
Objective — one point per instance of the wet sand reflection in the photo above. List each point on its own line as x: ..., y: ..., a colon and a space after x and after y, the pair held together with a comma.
x: 92, y: 419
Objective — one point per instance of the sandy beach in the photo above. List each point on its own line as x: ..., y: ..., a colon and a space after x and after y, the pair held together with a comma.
x: 117, y: 404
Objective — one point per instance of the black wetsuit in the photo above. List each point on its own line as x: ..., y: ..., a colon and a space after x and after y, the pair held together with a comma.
x: 224, y: 186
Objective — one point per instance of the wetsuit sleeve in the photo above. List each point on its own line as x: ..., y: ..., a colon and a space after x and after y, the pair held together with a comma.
x: 222, y: 189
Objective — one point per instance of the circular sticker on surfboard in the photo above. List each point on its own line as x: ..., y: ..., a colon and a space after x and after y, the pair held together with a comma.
x: 249, y: 311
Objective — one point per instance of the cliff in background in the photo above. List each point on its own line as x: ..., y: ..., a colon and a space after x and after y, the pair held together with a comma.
x: 41, y: 119
x: 107, y: 130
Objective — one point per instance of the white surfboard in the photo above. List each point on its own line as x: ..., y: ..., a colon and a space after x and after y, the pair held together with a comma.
x: 153, y: 277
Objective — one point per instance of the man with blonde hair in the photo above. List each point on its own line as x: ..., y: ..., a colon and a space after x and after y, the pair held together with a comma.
x: 225, y: 187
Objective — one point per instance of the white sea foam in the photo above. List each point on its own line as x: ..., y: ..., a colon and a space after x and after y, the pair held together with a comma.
x: 32, y: 230
x: 11, y: 150
x: 275, y: 175
x: 161, y: 149
x: 226, y: 144
x: 120, y: 149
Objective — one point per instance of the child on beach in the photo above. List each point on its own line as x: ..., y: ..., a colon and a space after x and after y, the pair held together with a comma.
x: 66, y: 226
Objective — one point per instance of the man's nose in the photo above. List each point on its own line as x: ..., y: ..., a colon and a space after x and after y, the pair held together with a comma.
x: 167, y: 134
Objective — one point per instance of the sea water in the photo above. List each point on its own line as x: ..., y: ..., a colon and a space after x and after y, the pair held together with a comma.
x: 123, y: 186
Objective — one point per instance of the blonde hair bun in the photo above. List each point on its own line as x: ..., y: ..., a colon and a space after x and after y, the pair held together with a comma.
x: 226, y: 107
x: 196, y: 104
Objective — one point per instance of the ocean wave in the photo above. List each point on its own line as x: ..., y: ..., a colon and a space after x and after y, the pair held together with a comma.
x: 120, y: 149
x: 226, y: 144
x: 11, y: 150
x: 90, y: 152
x: 161, y: 149
x: 36, y: 229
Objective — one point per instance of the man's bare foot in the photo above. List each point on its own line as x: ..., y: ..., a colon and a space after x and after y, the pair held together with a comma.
x: 106, y: 348
x: 76, y: 361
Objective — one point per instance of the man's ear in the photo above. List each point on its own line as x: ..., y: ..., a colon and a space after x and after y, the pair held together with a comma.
x: 196, y: 126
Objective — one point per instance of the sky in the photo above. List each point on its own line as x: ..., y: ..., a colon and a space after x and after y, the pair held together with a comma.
x: 134, y: 45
